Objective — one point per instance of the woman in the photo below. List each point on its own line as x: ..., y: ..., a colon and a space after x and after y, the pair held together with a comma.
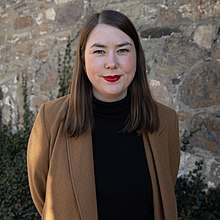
x: 107, y: 151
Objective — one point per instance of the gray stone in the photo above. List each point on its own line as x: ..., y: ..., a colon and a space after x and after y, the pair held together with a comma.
x: 50, y: 14
x: 1, y: 94
x: 69, y: 13
x: 6, y: 22
x: 23, y: 22
x: 205, y: 35
x: 166, y: 16
x: 20, y: 5
x: 2, y: 6
x: 205, y: 130
x: 158, y: 32
x: 201, y: 87
x: 174, y: 57
x: 198, y: 10
x: 62, y: 1
x: 216, y: 49
x: 42, y: 75
x: 2, y: 41
x: 160, y: 92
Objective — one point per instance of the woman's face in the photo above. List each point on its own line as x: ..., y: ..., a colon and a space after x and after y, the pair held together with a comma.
x: 110, y: 62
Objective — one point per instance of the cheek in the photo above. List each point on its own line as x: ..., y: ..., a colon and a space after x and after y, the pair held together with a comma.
x: 92, y: 65
x: 130, y: 65
x: 88, y: 67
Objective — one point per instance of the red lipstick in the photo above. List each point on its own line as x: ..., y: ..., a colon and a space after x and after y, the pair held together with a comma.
x: 112, y: 78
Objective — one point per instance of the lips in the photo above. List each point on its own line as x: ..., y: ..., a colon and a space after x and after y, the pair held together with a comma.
x: 113, y: 78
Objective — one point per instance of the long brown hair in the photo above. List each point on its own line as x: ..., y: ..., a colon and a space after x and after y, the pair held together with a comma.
x: 143, y: 115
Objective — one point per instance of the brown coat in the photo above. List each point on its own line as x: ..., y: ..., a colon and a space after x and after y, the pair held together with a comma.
x: 61, y: 174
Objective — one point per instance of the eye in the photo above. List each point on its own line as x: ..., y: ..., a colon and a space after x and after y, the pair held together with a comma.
x: 99, y: 52
x: 123, y: 51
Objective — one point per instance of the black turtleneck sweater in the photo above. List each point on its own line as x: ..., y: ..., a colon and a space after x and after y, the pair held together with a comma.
x: 123, y: 184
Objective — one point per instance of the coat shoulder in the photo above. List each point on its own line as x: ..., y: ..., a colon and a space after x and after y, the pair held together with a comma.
x: 55, y: 110
x: 166, y: 113
x: 164, y: 108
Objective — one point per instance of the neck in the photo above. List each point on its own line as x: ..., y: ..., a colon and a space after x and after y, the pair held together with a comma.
x: 109, y: 98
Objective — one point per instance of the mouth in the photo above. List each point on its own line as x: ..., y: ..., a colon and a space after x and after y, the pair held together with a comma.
x: 113, y: 78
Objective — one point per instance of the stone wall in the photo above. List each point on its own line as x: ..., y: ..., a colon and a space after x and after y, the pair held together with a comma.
x: 182, y: 46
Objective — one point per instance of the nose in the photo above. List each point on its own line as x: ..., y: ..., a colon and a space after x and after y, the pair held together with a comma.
x: 111, y: 62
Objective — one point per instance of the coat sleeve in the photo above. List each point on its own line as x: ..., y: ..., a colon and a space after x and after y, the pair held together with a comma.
x: 38, y: 160
x: 174, y: 148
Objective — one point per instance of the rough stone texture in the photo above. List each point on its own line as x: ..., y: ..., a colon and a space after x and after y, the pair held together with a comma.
x: 68, y: 14
x: 23, y: 22
x: 201, y: 87
x: 160, y: 92
x: 216, y: 49
x: 199, y: 9
x: 50, y: 14
x: 158, y: 32
x: 205, y: 35
x: 181, y: 40
x: 208, y: 126
x: 1, y: 94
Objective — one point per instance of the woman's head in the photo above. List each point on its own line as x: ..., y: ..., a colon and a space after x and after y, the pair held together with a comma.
x: 82, y: 88
x: 117, y: 20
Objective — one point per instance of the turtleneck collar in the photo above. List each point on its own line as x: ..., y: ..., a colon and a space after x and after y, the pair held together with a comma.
x: 115, y: 109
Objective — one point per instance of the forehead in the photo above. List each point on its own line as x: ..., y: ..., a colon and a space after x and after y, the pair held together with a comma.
x: 107, y: 34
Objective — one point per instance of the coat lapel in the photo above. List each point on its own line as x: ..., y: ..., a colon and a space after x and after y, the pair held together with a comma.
x: 156, y: 144
x: 80, y: 156
x: 150, y: 155
x: 159, y: 146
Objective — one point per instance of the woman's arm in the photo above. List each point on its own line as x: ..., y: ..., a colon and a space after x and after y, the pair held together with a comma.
x: 174, y: 148
x: 38, y: 160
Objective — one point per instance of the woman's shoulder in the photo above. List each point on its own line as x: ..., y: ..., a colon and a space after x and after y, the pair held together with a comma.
x: 57, y: 103
x: 55, y: 110
x: 166, y: 113
x: 162, y: 108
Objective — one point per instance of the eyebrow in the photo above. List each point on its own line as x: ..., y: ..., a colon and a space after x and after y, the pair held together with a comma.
x: 103, y: 46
